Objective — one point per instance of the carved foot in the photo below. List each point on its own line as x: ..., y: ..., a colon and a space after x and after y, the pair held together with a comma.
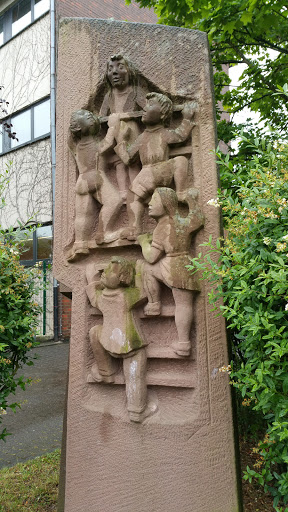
x: 95, y: 376
x: 182, y: 196
x: 138, y: 417
x: 78, y: 249
x: 129, y: 234
x: 182, y: 348
x: 152, y: 309
x: 107, y: 238
x: 99, y: 238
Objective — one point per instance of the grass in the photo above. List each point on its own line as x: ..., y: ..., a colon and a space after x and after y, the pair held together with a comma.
x: 31, y: 486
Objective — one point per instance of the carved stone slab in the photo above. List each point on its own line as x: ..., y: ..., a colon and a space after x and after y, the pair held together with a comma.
x: 149, y: 419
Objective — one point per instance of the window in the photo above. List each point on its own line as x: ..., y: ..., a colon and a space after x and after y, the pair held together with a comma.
x: 42, y: 119
x: 22, y: 126
x: 30, y: 125
x: 20, y: 16
x: 37, y: 246
x: 40, y: 7
x: 1, y: 31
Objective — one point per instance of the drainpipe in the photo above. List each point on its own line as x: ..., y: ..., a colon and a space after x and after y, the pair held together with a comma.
x: 53, y: 142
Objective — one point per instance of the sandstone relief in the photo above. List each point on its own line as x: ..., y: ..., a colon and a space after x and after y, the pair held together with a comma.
x: 134, y: 188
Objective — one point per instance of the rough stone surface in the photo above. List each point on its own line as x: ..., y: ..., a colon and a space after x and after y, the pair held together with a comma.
x: 182, y: 456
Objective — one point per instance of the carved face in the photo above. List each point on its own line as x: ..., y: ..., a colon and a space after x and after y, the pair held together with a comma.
x: 117, y: 73
x: 84, y: 121
x: 155, y: 206
x: 152, y: 112
x: 111, y: 276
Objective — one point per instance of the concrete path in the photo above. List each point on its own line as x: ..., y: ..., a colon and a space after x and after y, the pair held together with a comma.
x: 37, y: 426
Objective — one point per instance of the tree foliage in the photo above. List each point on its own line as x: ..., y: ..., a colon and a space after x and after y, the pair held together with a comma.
x: 240, y: 31
x: 18, y: 316
x: 252, y: 264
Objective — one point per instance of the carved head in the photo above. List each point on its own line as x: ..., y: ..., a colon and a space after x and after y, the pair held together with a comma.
x: 168, y: 199
x: 120, y: 72
x: 158, y: 109
x: 83, y: 122
x: 119, y: 272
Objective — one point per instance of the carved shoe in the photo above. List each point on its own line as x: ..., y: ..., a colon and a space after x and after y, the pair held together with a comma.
x: 96, y: 376
x: 152, y: 309
x: 182, y: 348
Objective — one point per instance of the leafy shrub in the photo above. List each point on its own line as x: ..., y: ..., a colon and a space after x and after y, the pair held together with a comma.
x: 18, y: 316
x: 252, y: 263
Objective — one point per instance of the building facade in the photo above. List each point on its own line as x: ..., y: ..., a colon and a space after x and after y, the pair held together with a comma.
x: 28, y: 60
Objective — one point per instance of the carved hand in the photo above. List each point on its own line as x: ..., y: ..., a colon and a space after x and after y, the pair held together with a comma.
x: 114, y: 121
x: 145, y: 238
x: 189, y: 110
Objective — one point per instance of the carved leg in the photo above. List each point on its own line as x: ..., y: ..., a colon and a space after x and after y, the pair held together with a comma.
x: 133, y: 170
x: 151, y: 277
x: 121, y: 176
x: 84, y: 223
x: 181, y: 176
x: 85, y: 217
x: 112, y: 202
x: 183, y: 320
x: 134, y: 368
x: 105, y: 366
x: 135, y: 210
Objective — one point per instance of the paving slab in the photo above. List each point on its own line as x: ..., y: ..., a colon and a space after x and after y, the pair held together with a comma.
x: 36, y: 428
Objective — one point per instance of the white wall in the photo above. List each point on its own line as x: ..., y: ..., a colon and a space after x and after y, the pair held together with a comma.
x: 29, y: 192
x: 25, y: 65
x: 25, y: 74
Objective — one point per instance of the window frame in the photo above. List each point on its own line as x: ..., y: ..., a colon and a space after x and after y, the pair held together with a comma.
x: 8, y: 21
x: 6, y: 140
x: 35, y: 260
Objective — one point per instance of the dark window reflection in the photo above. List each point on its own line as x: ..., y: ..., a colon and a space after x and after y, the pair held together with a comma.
x: 44, y: 242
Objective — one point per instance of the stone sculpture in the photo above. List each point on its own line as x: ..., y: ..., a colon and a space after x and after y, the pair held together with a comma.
x: 167, y: 256
x: 149, y: 423
x: 153, y: 148
x: 125, y: 95
x: 92, y: 183
x: 139, y: 147
x: 115, y: 295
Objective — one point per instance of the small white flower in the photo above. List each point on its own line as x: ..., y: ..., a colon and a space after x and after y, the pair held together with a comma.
x: 214, y: 202
x: 285, y: 237
x: 286, y: 307
x: 267, y: 240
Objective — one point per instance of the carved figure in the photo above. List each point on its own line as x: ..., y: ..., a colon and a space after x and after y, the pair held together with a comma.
x: 153, y: 148
x: 115, y: 295
x: 125, y: 95
x: 167, y: 254
x: 92, y: 183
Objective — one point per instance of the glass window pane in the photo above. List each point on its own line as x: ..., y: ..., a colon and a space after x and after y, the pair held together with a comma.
x: 42, y: 119
x: 22, y: 127
x: 21, y: 16
x: 41, y: 6
x: 1, y: 141
x: 26, y: 251
x: 1, y: 32
x: 44, y: 242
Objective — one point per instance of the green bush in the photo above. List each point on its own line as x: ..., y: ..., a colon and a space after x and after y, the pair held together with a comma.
x: 248, y: 271
x: 18, y: 316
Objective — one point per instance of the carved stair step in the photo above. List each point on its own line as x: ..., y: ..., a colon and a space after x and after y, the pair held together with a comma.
x: 165, y: 378
x: 157, y: 352
x: 166, y: 310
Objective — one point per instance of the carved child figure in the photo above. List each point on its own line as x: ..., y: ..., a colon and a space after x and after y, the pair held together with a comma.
x: 153, y: 149
x: 124, y: 95
x: 167, y: 255
x: 92, y: 183
x: 118, y: 337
